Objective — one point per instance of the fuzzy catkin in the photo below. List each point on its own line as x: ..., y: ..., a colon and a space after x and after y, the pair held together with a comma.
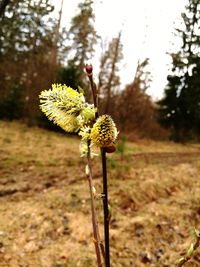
x: 103, y: 132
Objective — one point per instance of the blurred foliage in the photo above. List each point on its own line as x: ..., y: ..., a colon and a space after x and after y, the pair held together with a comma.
x: 25, y: 50
x: 11, y: 106
x: 70, y: 75
x: 133, y: 110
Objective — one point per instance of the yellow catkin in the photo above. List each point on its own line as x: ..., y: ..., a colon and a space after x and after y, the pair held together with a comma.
x: 103, y: 132
x: 66, y: 107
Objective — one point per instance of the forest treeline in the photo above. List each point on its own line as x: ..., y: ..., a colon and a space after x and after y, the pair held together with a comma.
x: 35, y: 51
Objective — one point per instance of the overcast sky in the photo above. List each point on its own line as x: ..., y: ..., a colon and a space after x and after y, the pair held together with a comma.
x: 147, y: 31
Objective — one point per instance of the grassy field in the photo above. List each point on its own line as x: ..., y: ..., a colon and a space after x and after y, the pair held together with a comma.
x: 154, y: 191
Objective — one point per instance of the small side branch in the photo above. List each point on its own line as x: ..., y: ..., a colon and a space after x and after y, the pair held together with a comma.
x: 193, y: 247
x: 96, y: 235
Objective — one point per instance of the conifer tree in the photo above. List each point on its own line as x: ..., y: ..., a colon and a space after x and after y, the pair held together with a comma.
x: 180, y: 108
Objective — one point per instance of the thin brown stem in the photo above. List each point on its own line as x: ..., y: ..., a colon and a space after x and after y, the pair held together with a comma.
x: 94, y: 92
x: 96, y: 235
x: 93, y: 87
x: 105, y: 208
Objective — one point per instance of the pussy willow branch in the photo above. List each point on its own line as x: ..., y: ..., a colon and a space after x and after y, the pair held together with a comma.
x: 104, y: 173
x: 186, y: 258
x: 105, y: 207
x: 97, y: 242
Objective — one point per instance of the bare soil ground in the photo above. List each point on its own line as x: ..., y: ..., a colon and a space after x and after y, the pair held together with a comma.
x: 45, y: 221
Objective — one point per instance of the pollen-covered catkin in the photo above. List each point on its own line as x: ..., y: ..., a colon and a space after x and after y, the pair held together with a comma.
x: 103, y: 132
x: 66, y: 107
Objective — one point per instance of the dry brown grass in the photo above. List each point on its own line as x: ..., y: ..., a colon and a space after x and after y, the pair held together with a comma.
x: 45, y: 210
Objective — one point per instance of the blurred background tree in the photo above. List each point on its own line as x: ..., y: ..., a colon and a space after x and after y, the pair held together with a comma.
x: 179, y: 110
x: 109, y: 79
x: 82, y: 38
x: 25, y: 48
x: 133, y: 110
